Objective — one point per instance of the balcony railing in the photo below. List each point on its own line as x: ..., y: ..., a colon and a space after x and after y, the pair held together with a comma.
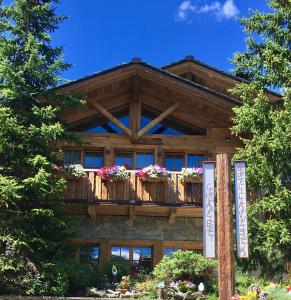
x: 92, y: 189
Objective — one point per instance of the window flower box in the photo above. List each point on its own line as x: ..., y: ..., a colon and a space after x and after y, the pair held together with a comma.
x: 190, y: 175
x: 113, y: 174
x: 153, y: 173
x: 73, y: 171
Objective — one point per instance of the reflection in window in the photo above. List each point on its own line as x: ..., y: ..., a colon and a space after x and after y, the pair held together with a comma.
x: 124, y: 159
x: 174, y: 162
x: 169, y: 251
x: 93, y: 160
x: 142, y: 258
x: 120, y: 253
x: 195, y: 160
x: 72, y: 157
x: 144, y: 159
x: 89, y: 254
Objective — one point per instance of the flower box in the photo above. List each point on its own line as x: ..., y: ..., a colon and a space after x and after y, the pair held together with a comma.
x: 73, y: 171
x: 113, y: 174
x: 153, y: 173
x: 190, y: 175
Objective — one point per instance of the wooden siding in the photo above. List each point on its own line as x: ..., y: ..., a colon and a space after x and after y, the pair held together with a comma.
x: 92, y: 189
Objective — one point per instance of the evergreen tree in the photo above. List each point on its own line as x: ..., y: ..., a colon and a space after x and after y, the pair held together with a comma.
x: 31, y: 224
x: 264, y: 127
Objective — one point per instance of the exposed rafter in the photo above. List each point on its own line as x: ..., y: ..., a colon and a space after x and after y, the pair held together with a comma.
x: 111, y: 118
x: 158, y: 119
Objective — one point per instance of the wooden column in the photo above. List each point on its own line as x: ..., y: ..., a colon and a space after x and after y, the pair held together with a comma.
x: 224, y: 227
x: 158, y: 252
x: 105, y: 249
x: 135, y: 107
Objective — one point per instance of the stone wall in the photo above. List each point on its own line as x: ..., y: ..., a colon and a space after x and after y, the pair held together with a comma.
x: 144, y: 228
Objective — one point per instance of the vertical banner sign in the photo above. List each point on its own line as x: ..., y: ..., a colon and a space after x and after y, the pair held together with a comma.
x: 208, y: 210
x: 241, y: 209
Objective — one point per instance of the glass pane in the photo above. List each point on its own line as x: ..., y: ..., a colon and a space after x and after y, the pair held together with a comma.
x: 144, y: 159
x: 93, y: 160
x: 72, y: 157
x: 94, y: 255
x: 174, y: 162
x: 120, y: 253
x: 124, y: 159
x: 142, y: 258
x: 195, y: 160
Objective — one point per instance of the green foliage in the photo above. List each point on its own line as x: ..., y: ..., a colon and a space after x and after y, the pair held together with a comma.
x: 32, y: 226
x: 186, y: 265
x: 265, y: 130
x: 123, y: 268
x: 279, y: 294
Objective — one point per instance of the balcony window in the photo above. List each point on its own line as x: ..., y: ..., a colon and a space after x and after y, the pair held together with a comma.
x: 144, y: 159
x: 89, y: 254
x: 142, y: 258
x: 72, y: 157
x: 120, y: 253
x: 124, y: 159
x: 195, y: 160
x: 93, y: 160
x: 174, y: 162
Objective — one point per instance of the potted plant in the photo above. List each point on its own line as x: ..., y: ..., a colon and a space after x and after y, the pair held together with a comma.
x: 112, y: 174
x: 189, y: 175
x: 153, y: 173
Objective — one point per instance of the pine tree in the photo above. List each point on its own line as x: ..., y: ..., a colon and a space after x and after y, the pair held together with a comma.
x: 265, y: 129
x: 32, y: 226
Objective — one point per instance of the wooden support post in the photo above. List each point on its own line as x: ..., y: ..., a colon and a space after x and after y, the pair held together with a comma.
x: 135, y: 107
x: 224, y: 227
x: 92, y: 213
x: 105, y: 251
x: 172, y: 215
x: 158, y: 252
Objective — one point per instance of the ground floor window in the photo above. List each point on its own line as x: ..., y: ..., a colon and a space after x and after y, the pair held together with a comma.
x: 89, y: 254
x: 139, y: 257
x: 170, y: 251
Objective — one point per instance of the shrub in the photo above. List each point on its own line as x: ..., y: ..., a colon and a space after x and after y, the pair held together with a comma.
x: 187, y: 265
x: 149, y: 288
x: 279, y: 294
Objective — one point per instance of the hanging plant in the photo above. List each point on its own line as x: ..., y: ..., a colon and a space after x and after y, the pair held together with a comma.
x: 153, y: 173
x: 114, y: 173
x: 190, y: 174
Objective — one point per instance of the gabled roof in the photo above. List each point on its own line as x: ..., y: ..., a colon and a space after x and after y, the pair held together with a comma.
x: 135, y: 61
x: 191, y: 59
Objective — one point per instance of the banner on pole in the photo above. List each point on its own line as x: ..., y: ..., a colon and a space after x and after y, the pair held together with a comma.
x: 208, y: 210
x: 241, y: 209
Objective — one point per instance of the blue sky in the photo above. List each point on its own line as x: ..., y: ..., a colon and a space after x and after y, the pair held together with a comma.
x: 103, y: 33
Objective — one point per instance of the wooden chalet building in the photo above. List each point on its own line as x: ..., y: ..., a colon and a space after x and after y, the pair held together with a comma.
x: 136, y: 114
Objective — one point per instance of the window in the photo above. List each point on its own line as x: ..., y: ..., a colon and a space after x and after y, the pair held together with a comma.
x: 170, y: 251
x: 72, y: 157
x: 174, y: 162
x: 93, y: 160
x: 120, y: 253
x: 195, y: 160
x: 124, y: 159
x: 142, y: 258
x: 89, y: 254
x: 144, y: 159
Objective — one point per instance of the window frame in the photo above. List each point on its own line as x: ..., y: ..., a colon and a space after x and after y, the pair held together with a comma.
x: 92, y: 151
x: 185, y: 156
x: 134, y: 155
x: 88, y: 260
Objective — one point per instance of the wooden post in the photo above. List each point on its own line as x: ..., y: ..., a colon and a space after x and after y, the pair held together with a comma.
x: 224, y: 228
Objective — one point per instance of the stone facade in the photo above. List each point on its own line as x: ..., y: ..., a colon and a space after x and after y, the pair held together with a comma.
x: 144, y: 228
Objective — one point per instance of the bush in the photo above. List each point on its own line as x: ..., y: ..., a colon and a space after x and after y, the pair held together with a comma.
x: 149, y: 288
x: 187, y: 265
x: 279, y: 294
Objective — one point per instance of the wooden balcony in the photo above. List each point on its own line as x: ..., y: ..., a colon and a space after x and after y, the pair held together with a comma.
x: 91, y: 189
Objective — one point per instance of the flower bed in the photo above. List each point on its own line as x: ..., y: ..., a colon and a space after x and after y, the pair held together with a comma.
x: 153, y: 173
x: 112, y: 174
x: 190, y: 174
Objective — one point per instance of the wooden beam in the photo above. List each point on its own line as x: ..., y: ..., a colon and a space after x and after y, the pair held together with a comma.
x: 135, y: 106
x: 111, y: 118
x: 172, y: 216
x: 92, y: 213
x: 131, y: 215
x: 158, y: 119
x: 224, y: 228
